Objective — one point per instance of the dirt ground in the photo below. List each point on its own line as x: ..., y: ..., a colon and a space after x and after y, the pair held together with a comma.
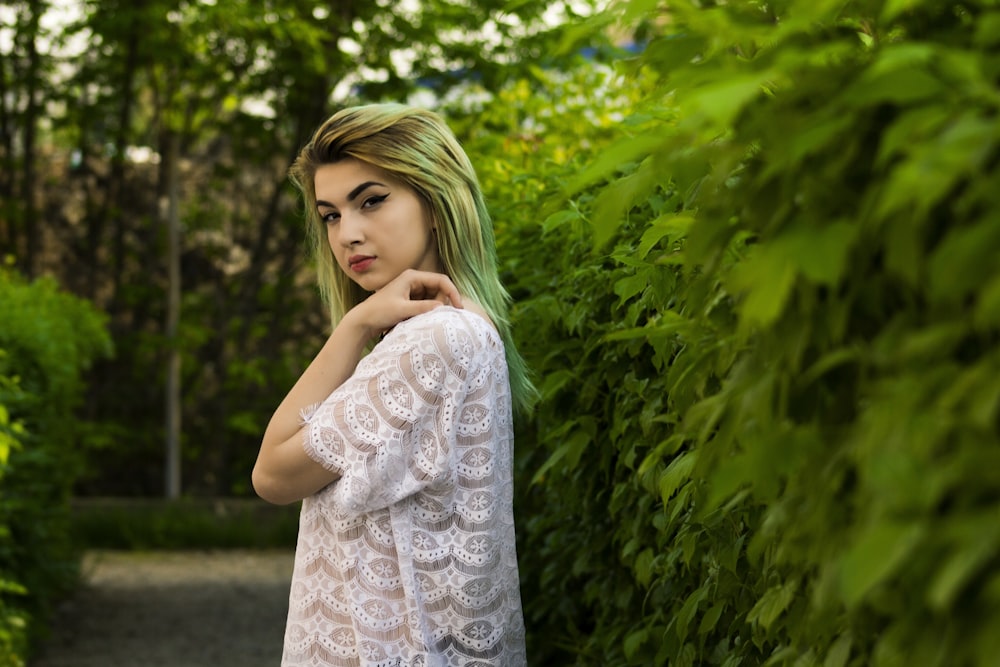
x: 174, y: 609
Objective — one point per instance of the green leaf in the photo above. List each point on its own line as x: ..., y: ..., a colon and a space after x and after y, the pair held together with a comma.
x: 555, y: 381
x: 773, y: 603
x: 560, y: 218
x: 629, y: 286
x: 643, y: 566
x: 550, y: 462
x: 908, y: 131
x: 721, y: 102
x: 977, y: 544
x: 934, y: 167
x: 513, y: 5
x: 988, y: 29
x: 9, y: 587
x: 782, y: 656
x: 581, y: 31
x: 901, y: 55
x: 765, y: 280
x: 673, y: 225
x: 907, y: 86
x: 580, y: 434
x: 688, y: 610
x: 812, y: 139
x: 677, y: 473
x: 666, y: 323
x: 894, y: 8
x: 966, y: 259
x: 819, y: 254
x: 904, y: 249
x: 987, y: 312
x: 933, y: 342
x: 611, y: 160
x: 875, y: 556
x: 673, y: 50
x: 839, y: 652
x: 634, y: 642
x: 654, y: 460
x: 618, y: 197
x: 711, y: 618
x: 638, y: 9
x: 827, y: 362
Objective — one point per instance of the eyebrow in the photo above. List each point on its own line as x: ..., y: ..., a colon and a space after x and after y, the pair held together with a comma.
x: 352, y: 195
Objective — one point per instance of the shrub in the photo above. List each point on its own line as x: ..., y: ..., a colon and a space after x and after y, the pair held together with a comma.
x: 772, y: 394
x: 12, y: 619
x: 47, y: 339
x: 189, y: 523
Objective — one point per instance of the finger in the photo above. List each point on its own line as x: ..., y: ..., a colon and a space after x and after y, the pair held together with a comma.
x: 453, y: 296
x: 446, y: 292
x: 435, y: 286
x: 414, y: 308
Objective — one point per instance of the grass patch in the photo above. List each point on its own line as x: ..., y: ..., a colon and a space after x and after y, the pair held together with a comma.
x: 229, y: 523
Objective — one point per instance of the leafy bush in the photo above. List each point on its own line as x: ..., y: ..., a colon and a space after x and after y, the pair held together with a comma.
x: 142, y: 524
x: 12, y: 620
x: 47, y: 339
x: 772, y: 394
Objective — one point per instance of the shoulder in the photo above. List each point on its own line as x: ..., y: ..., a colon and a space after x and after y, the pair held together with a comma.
x: 456, y: 335
x: 452, y: 322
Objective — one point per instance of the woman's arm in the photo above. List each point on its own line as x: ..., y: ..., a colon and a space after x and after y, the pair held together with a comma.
x: 284, y: 473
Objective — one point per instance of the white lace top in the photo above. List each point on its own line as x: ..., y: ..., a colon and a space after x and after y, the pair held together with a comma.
x: 409, y: 558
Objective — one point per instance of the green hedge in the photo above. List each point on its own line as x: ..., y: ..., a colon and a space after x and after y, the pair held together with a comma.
x: 188, y: 523
x: 767, y: 328
x: 47, y: 339
x: 12, y: 619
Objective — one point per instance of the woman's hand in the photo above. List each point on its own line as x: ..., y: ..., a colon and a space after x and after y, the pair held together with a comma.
x: 411, y: 293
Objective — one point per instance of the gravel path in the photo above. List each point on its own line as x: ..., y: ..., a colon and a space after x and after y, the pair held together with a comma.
x: 174, y: 609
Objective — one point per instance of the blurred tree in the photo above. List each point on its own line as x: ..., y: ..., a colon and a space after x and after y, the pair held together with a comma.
x: 21, y: 99
x: 239, y: 86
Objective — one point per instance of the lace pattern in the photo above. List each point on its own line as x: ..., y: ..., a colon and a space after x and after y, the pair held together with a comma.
x: 408, y: 560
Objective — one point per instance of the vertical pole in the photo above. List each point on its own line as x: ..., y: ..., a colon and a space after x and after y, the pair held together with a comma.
x: 173, y: 390
x: 30, y: 222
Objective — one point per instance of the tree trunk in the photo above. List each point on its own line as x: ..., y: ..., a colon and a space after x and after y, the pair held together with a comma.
x: 173, y: 388
x: 30, y: 212
x: 8, y: 237
x: 118, y: 193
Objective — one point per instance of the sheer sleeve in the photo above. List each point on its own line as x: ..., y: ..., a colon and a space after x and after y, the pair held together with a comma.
x: 391, y: 429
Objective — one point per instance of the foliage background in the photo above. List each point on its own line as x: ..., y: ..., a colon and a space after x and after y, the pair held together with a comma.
x: 755, y: 264
x: 770, y: 359
x: 48, y: 339
x: 99, y: 116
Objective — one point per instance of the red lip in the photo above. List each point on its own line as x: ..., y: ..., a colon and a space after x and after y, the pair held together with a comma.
x: 360, y: 262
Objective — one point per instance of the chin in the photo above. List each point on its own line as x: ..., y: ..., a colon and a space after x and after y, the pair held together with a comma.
x: 370, y: 285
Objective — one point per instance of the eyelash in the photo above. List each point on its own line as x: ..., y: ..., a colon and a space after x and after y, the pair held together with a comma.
x: 333, y: 216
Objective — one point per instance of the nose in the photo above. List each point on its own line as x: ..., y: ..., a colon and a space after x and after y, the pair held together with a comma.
x: 348, y: 231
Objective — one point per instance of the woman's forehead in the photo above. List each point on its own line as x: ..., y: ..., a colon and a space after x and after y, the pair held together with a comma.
x: 338, y: 181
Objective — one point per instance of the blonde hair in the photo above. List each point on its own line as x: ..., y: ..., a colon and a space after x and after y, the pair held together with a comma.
x: 416, y: 147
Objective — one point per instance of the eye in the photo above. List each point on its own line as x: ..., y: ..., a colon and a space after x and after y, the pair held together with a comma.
x: 374, y: 201
x: 329, y: 217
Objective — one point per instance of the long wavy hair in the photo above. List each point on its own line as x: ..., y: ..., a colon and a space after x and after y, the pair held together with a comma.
x: 416, y: 147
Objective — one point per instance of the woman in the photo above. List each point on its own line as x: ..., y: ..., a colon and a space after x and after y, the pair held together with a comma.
x: 398, y: 436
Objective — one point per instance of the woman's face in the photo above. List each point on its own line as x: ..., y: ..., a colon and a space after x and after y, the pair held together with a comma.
x: 376, y: 225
